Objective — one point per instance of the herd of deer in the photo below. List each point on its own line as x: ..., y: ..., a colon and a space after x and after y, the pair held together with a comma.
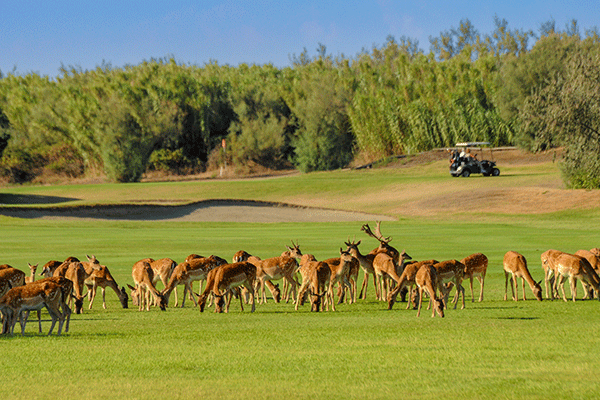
x: 392, y: 272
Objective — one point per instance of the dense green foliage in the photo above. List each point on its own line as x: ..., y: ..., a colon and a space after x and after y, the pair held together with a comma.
x: 319, y: 114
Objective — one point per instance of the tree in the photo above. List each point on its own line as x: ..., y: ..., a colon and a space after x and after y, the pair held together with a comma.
x: 567, y: 112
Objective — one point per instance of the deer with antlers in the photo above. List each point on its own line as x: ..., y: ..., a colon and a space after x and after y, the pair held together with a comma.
x: 385, y: 248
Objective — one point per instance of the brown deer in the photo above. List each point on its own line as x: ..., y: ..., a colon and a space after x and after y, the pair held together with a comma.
x: 143, y: 275
x: 102, y: 278
x: 242, y: 255
x: 452, y: 271
x: 31, y: 277
x: 187, y: 272
x: 366, y: 263
x: 384, y: 247
x: 408, y: 279
x: 15, y: 277
x: 475, y: 267
x: 515, y: 265
x: 32, y: 297
x: 385, y: 267
x: 275, y: 268
x: 315, y: 278
x: 339, y: 275
x: 575, y: 267
x: 548, y: 259
x: 427, y: 280
x: 75, y: 272
x: 221, y: 280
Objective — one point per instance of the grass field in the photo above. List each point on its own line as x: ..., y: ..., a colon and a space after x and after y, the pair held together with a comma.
x: 493, y: 349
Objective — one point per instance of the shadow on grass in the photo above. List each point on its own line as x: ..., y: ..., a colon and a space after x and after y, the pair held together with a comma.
x: 25, y: 199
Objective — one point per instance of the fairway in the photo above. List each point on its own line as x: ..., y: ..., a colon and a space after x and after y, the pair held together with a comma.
x: 493, y: 349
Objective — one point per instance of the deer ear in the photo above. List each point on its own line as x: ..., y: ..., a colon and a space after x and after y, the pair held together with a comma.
x: 130, y: 287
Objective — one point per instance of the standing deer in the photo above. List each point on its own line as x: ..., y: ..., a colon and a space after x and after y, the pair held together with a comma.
x: 475, y: 267
x: 515, y: 265
x: 427, y: 280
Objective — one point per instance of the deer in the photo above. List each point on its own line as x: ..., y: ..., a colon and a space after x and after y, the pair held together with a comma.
x: 385, y: 247
x: 427, y: 280
x: 385, y: 267
x: 31, y: 277
x: 475, y: 267
x: 163, y: 268
x: 32, y: 297
x: 575, y: 267
x: 15, y: 277
x: 276, y: 268
x: 242, y: 255
x: 339, y: 275
x: 221, y: 280
x: 515, y: 265
x: 102, y: 278
x: 452, y: 271
x: 366, y: 263
x: 67, y: 291
x: 407, y: 279
x: 75, y: 272
x: 143, y: 276
x: 594, y: 261
x: 49, y: 268
x: 315, y: 277
x: 548, y: 259
x: 189, y: 271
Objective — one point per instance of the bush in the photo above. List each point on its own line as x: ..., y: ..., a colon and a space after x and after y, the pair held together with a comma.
x: 170, y: 161
x: 64, y: 159
x: 18, y: 165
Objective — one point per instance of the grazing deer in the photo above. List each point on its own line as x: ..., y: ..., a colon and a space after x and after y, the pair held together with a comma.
x: 221, y: 280
x: 315, y: 277
x: 102, y: 278
x: 143, y: 276
x: 187, y: 272
x: 408, y: 279
x: 75, y: 272
x: 31, y: 277
x: 275, y: 268
x: 67, y: 291
x: 32, y: 297
x: 452, y: 271
x: 242, y: 255
x: 515, y: 265
x: 475, y: 267
x: 575, y: 267
x: 427, y: 280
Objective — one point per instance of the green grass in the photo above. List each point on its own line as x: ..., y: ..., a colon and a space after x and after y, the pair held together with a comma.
x: 493, y: 349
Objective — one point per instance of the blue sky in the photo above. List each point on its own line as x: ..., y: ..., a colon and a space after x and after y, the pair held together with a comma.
x: 40, y: 36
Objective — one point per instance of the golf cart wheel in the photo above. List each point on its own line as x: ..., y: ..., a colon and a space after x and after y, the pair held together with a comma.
x: 495, y: 172
x: 466, y: 173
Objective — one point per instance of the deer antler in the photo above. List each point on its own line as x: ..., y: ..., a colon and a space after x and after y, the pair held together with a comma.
x: 377, y: 235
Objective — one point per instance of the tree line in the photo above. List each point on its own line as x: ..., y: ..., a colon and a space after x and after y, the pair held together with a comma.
x: 508, y: 87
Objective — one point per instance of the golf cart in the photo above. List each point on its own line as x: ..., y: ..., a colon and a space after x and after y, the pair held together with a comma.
x: 464, y: 163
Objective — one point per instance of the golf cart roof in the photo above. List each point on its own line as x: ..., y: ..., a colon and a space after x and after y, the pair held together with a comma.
x: 472, y: 144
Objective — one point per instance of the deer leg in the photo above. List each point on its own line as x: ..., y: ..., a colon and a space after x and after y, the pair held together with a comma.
x: 573, y: 283
x: 420, y: 301
x: 481, y: 282
x: 103, y: 297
